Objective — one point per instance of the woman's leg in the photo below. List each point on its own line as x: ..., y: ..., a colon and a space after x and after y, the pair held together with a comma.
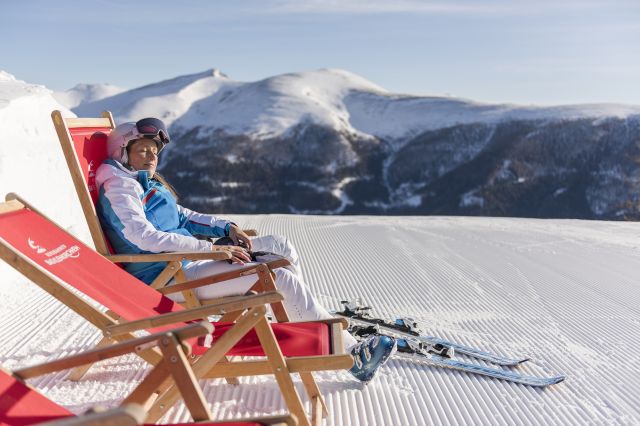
x: 298, y: 301
x: 281, y: 246
x: 204, y: 268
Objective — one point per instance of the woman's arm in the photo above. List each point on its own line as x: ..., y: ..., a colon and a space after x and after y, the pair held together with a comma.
x: 206, y: 225
x: 212, y: 226
x: 126, y: 215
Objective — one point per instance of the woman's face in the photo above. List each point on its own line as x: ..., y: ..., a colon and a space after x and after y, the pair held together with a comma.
x: 143, y: 155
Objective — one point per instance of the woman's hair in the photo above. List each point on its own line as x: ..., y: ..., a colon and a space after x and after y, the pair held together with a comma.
x: 157, y: 176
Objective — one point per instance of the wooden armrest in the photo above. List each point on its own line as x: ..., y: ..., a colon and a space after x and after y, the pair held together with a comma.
x: 127, y: 415
x: 167, y: 257
x: 98, y: 354
x: 235, y: 304
x: 344, y: 323
x: 224, y: 276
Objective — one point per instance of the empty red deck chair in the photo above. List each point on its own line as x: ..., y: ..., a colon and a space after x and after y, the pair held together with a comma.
x: 21, y: 405
x: 51, y: 257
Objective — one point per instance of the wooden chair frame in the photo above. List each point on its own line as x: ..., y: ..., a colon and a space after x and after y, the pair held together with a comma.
x: 174, y: 366
x: 249, y: 313
x: 173, y: 270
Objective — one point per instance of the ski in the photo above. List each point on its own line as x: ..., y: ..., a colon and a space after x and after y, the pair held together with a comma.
x: 406, y: 328
x: 442, y: 356
x: 413, y: 352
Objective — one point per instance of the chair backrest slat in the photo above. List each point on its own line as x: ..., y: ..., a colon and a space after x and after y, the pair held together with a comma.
x: 29, y: 240
x: 84, y: 142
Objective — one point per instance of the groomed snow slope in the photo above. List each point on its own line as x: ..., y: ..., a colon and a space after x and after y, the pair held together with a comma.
x: 564, y: 293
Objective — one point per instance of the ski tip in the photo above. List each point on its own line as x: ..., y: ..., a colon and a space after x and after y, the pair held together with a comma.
x: 542, y: 382
x: 554, y: 380
x: 510, y: 362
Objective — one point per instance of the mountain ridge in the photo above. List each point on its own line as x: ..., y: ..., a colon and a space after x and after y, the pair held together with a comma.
x: 330, y: 142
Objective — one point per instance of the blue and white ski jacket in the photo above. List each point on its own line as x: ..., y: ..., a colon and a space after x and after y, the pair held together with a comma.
x: 139, y: 215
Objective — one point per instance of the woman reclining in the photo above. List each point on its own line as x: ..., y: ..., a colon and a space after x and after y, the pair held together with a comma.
x: 139, y: 213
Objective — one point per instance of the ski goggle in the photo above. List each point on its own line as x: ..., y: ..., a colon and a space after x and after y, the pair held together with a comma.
x: 150, y: 128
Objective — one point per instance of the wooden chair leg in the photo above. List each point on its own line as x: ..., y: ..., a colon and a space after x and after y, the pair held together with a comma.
x: 191, y: 301
x: 225, y: 360
x: 147, y: 392
x: 167, y: 273
x: 279, y: 367
x: 77, y: 373
x: 267, y: 281
x: 229, y: 380
x: 207, y: 361
x: 190, y: 298
x: 177, y: 363
x: 318, y: 406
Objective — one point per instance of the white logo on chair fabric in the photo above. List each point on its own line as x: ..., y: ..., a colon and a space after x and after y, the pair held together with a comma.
x: 58, y: 254
x: 36, y: 247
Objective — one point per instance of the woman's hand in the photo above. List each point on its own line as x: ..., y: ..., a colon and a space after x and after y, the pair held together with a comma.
x: 238, y: 254
x: 239, y: 237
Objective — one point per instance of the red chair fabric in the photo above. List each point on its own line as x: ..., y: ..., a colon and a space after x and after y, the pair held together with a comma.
x: 21, y: 405
x: 90, y: 144
x: 74, y: 263
x: 295, y: 339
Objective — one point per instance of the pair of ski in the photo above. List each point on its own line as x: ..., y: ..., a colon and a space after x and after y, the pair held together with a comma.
x: 436, y: 351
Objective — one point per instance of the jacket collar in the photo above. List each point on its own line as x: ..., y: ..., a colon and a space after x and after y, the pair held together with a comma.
x: 142, y: 176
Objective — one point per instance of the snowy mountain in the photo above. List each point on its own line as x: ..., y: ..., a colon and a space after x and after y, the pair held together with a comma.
x: 333, y: 98
x: 83, y: 93
x: 329, y: 141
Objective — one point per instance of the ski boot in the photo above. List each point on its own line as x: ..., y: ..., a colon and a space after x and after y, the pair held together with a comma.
x: 370, y: 354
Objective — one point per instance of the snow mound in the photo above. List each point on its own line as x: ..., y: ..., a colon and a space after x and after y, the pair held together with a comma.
x: 5, y: 76
x: 31, y: 159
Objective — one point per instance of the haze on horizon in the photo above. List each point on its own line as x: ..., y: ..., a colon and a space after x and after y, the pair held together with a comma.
x: 545, y: 53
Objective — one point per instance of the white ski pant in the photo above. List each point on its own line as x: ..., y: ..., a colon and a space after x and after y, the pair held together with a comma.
x: 298, y: 300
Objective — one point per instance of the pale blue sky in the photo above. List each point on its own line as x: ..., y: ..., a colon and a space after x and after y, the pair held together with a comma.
x: 522, y: 51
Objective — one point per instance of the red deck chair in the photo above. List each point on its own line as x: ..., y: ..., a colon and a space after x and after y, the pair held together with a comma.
x: 83, y: 142
x: 52, y: 258
x: 22, y: 405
